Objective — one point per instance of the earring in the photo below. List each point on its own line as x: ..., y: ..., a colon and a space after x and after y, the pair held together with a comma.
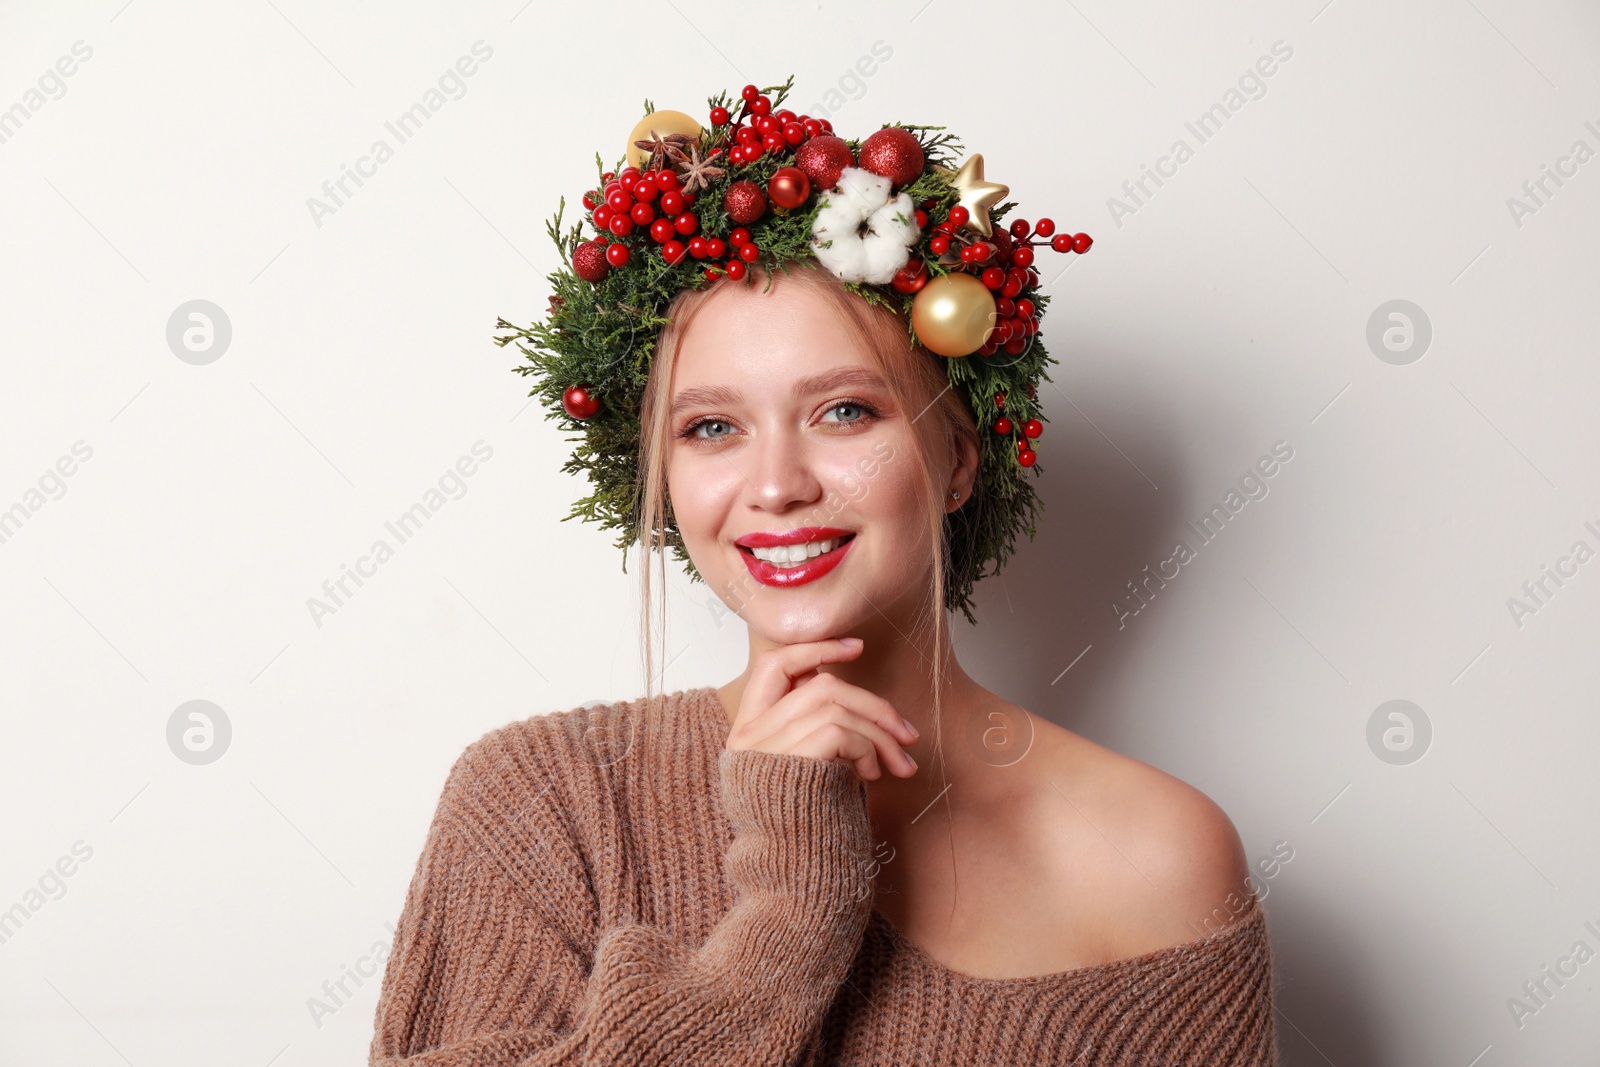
x: 955, y: 494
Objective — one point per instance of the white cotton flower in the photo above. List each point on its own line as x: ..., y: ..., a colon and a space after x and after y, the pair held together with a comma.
x: 861, y: 232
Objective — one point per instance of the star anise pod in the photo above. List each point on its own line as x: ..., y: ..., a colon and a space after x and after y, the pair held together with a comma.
x: 664, y: 148
x: 557, y: 302
x: 698, y: 173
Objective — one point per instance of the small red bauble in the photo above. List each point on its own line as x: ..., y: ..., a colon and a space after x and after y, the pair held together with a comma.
x: 1061, y: 242
x: 671, y: 202
x: 1002, y: 425
x: 959, y: 216
x: 589, y: 261
x: 621, y: 225
x: 939, y: 245
x: 1033, y: 427
x: 674, y: 251
x: 686, y: 223
x: 911, y: 277
x: 579, y: 402
x: 738, y: 237
x: 1081, y: 242
x: 1045, y: 228
x: 736, y: 269
x: 719, y: 116
x: 1026, y: 458
x: 999, y: 400
x: 642, y: 214
x: 749, y: 253
x: 824, y: 158
x: 744, y: 202
x: 788, y: 187
x: 661, y: 231
x: 994, y: 277
x: 617, y: 255
x: 1022, y: 256
x: 893, y: 153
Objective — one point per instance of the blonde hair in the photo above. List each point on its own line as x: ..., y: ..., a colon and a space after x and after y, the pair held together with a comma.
x: 919, y: 384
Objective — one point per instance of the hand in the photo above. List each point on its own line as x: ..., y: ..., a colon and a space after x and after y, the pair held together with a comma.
x: 789, y: 708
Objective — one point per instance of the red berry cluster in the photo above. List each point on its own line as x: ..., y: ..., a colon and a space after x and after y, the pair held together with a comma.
x: 1031, y: 429
x: 769, y: 132
x: 652, y: 199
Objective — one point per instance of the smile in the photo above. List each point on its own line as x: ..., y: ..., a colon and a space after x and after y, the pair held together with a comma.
x: 783, y: 566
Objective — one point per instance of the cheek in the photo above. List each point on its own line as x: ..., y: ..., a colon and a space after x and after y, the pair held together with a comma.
x: 702, y: 490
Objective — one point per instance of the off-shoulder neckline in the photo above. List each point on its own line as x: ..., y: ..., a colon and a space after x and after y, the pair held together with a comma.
x: 1242, y: 925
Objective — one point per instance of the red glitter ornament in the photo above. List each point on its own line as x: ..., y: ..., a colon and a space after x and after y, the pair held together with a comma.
x: 824, y: 158
x: 893, y: 153
x: 744, y: 202
x: 589, y: 261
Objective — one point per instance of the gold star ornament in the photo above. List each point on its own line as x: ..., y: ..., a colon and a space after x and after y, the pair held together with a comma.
x: 977, y: 195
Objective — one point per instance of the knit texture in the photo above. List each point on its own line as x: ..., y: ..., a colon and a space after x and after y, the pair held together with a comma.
x: 599, y: 887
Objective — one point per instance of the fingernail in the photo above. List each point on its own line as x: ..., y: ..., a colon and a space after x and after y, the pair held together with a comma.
x: 912, y: 759
x: 911, y: 728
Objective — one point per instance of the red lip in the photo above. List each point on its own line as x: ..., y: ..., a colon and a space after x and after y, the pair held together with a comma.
x: 785, y: 577
x: 798, y: 536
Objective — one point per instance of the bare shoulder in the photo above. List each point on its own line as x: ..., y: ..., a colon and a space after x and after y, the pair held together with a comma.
x: 1154, y: 861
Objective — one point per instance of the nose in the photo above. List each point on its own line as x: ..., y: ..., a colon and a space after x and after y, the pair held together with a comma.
x: 779, y: 473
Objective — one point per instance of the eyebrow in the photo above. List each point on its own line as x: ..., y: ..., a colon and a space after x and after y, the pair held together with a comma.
x: 720, y: 395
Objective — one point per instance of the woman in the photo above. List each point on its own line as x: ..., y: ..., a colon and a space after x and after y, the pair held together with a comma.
x: 765, y: 872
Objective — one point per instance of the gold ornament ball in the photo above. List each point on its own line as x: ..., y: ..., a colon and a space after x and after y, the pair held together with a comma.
x: 660, y: 123
x: 953, y: 314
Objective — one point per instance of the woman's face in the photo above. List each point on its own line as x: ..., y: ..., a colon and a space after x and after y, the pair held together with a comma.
x: 780, y: 422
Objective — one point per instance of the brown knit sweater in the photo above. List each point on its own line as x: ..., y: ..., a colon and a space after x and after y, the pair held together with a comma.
x: 599, y: 888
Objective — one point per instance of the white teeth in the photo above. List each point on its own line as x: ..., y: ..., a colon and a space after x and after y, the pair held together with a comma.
x: 794, y: 555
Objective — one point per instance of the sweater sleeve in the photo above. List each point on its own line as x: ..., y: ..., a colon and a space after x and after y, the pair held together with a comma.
x: 490, y: 970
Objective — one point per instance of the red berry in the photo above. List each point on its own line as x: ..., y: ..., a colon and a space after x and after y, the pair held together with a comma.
x: 602, y: 217
x: 1045, y: 228
x: 736, y: 269
x: 629, y: 173
x: 589, y: 202
x: 686, y: 223
x: 645, y: 189
x: 793, y: 133
x: 1081, y: 242
x: 607, y: 176
x: 617, y: 255
x: 667, y: 180
x: 697, y: 247
x: 619, y: 200
x: 827, y: 127
x: 738, y: 237
x: 715, y: 248
x: 812, y: 127
x: 922, y: 219
x: 661, y: 231
x: 671, y: 202
x: 1026, y: 458
x: 1017, y: 345
x: 1019, y: 229
x: 642, y: 213
x: 1033, y: 427
x: 1025, y: 308
x: 749, y: 93
x: 994, y: 277
x: 761, y: 105
x: 749, y: 253
x: 1022, y: 256
x: 1002, y: 425
x: 747, y: 135
x: 621, y: 225
x: 959, y: 215
x: 1061, y: 242
x: 1003, y: 306
x: 674, y: 251
x: 719, y: 116
x: 999, y: 400
x: 939, y: 245
x: 969, y: 253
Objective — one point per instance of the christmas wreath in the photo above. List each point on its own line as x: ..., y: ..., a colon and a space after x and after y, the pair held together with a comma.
x: 893, y: 215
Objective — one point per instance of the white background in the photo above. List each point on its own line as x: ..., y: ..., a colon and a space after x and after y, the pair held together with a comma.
x: 1227, y: 312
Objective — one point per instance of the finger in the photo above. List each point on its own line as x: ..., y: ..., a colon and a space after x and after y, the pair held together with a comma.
x: 775, y: 671
x: 874, y: 740
x: 832, y: 740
